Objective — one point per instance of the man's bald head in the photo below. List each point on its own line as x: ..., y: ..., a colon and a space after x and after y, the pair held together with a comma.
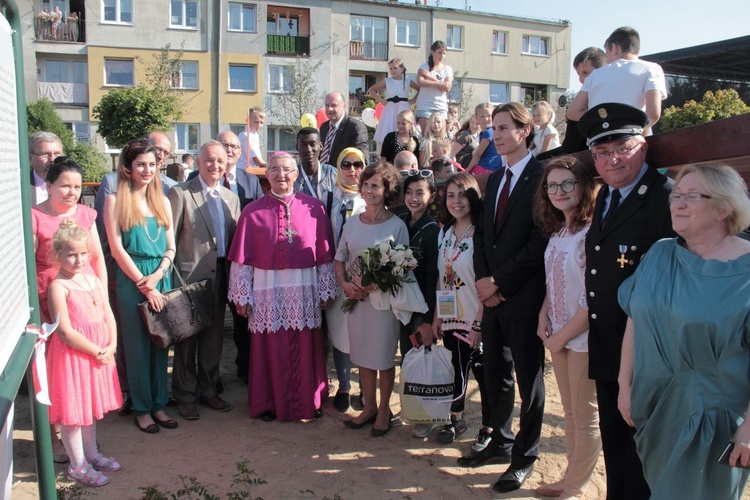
x: 163, y: 147
x: 405, y: 160
x: 232, y: 146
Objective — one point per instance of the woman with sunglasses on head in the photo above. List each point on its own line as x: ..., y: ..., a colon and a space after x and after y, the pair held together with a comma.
x: 138, y: 219
x: 564, y: 208
x: 347, y: 202
x: 419, y: 193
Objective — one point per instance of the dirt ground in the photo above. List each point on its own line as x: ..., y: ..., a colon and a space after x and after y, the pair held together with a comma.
x: 300, y: 460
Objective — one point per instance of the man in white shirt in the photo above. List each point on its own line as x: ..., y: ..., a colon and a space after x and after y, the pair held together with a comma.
x: 44, y: 147
x: 625, y: 79
x: 250, y: 140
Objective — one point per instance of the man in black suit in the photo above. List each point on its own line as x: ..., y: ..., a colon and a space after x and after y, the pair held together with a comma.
x: 632, y: 212
x: 509, y: 265
x: 340, y: 131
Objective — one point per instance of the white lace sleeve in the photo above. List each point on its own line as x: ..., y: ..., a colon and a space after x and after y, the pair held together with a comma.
x: 328, y: 285
x: 241, y: 284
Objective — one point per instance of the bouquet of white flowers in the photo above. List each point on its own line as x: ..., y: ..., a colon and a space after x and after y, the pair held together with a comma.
x: 387, y: 266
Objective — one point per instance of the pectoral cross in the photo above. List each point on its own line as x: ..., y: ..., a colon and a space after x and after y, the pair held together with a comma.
x: 289, y: 232
x: 622, y: 260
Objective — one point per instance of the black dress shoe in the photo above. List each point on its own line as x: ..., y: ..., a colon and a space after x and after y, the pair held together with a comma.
x: 268, y: 416
x: 318, y: 414
x: 127, y: 406
x: 513, y: 478
x: 358, y: 402
x: 353, y: 425
x: 488, y: 455
x: 149, y: 429
x: 341, y: 401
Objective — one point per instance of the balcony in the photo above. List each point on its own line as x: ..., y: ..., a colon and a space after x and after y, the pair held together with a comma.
x: 288, y: 44
x: 374, y: 51
x: 63, y: 93
x: 48, y: 28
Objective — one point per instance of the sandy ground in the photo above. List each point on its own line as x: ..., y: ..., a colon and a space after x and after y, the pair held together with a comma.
x: 300, y: 460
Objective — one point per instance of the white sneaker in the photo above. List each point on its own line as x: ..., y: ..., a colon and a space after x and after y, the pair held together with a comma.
x: 423, y: 430
x: 482, y: 440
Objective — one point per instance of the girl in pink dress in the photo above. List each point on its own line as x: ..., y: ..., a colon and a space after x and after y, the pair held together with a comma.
x: 81, y: 368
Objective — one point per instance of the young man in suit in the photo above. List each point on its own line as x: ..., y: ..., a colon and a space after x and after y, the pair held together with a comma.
x: 509, y: 265
x: 205, y: 217
x: 340, y: 131
x: 631, y: 214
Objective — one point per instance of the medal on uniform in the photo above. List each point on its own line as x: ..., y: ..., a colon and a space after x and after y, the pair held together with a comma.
x: 622, y: 260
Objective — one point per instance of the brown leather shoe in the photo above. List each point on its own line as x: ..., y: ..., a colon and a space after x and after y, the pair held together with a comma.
x: 188, y: 411
x: 215, y: 403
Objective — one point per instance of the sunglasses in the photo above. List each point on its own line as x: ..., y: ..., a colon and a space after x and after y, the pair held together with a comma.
x: 347, y: 165
x: 424, y: 174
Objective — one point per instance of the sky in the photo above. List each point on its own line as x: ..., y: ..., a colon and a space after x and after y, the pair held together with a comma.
x: 662, y: 24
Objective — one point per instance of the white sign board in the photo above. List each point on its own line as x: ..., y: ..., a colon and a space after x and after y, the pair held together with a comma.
x: 14, y: 293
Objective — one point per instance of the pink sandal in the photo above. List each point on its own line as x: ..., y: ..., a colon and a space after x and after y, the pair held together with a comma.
x: 106, y: 464
x: 88, y: 476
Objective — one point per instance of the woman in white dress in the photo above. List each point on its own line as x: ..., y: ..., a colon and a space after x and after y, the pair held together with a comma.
x: 396, y: 98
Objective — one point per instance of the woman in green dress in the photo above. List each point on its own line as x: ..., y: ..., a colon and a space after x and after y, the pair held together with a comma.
x: 685, y: 368
x: 138, y: 220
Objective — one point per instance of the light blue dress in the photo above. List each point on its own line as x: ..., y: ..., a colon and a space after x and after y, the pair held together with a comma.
x: 691, y: 381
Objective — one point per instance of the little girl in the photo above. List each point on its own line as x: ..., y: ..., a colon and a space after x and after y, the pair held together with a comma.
x: 462, y: 331
x: 435, y: 129
x: 434, y: 80
x: 485, y: 159
x: 81, y: 369
x: 545, y: 135
x: 396, y: 98
x: 403, y: 139
x: 452, y: 126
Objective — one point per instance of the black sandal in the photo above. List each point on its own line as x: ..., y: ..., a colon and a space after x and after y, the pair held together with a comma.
x: 169, y: 423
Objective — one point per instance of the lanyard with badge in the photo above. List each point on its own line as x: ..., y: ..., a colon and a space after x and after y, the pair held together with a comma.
x: 313, y: 192
x: 447, y: 299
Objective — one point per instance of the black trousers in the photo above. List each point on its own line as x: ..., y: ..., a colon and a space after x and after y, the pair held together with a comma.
x: 464, y: 358
x: 625, y: 479
x: 509, y: 344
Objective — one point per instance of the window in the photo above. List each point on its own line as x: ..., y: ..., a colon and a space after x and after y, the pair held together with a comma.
x: 535, y: 45
x: 369, y: 37
x: 186, y: 138
x: 242, y: 78
x: 241, y: 17
x: 183, y: 14
x: 457, y: 90
x: 117, y: 11
x: 499, y: 39
x: 407, y: 33
x: 280, y: 79
x: 277, y: 24
x: 454, y: 37
x: 119, y: 72
x: 66, y: 71
x: 280, y: 139
x: 498, y: 93
x: 531, y: 93
x: 186, y: 76
x: 237, y: 128
x: 80, y: 131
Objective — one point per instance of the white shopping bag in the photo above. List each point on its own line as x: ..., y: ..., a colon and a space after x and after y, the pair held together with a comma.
x: 427, y: 386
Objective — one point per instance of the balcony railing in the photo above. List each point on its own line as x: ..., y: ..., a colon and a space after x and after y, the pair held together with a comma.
x: 288, y: 44
x: 368, y: 50
x: 63, y: 93
x: 70, y: 29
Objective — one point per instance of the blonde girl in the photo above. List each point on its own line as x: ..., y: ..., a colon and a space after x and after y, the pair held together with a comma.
x: 81, y: 368
x: 546, y: 136
x: 402, y: 139
x: 396, y: 100
x: 435, y: 129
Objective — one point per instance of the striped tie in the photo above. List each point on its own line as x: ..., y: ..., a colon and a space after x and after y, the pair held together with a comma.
x: 326, y: 151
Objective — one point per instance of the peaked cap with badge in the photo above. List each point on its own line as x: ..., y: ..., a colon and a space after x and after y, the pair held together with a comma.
x: 611, y: 121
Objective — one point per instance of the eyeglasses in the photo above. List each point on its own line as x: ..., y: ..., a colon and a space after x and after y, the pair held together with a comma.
x: 162, y: 152
x: 232, y: 147
x: 565, y: 186
x: 277, y: 171
x: 691, y: 197
x: 49, y: 154
x: 347, y: 165
x: 619, y: 152
x: 425, y: 174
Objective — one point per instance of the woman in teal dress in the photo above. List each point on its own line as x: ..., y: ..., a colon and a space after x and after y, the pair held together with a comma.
x: 685, y: 370
x: 138, y: 219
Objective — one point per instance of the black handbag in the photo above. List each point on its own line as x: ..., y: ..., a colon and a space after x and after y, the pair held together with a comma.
x: 187, y: 311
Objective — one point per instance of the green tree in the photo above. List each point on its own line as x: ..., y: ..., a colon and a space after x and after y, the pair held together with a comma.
x: 42, y: 117
x: 714, y: 106
x: 129, y: 113
x: 302, y: 95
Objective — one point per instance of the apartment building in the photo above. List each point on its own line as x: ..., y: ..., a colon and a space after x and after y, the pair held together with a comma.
x: 238, y: 53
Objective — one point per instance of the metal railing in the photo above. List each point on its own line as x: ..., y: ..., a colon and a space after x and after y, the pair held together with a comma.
x: 49, y: 28
x: 377, y: 51
x: 287, y: 44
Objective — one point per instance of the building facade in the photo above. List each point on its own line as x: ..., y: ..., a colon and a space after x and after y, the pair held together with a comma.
x: 240, y: 53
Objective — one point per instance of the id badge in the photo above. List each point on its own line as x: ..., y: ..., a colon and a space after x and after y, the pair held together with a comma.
x: 447, y: 304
